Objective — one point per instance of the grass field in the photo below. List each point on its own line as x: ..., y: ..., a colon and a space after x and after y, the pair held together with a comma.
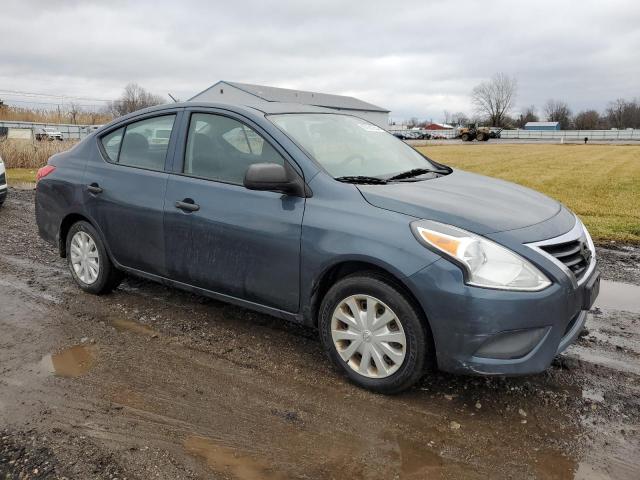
x: 21, y: 176
x: 601, y: 183
x: 30, y: 153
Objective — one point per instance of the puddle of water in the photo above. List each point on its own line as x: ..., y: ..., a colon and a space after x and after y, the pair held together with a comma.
x: 553, y: 465
x: 123, y: 325
x: 417, y: 461
x: 618, y: 296
x: 71, y: 362
x: 228, y: 461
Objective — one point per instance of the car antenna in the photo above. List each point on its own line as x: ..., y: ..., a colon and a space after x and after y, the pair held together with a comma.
x: 173, y: 98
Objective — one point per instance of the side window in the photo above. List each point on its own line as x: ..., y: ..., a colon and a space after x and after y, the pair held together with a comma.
x: 145, y: 143
x: 111, y: 144
x: 221, y: 148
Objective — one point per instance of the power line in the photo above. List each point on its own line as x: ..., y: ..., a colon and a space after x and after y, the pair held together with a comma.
x: 49, y: 95
x: 10, y: 100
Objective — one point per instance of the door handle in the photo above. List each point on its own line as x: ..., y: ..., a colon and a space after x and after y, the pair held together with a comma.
x: 94, y: 188
x: 187, y: 205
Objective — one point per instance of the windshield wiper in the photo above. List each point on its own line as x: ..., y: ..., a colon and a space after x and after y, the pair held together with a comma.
x: 414, y: 172
x: 363, y: 179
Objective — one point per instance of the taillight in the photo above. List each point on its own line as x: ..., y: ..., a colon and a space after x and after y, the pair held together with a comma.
x: 44, y: 171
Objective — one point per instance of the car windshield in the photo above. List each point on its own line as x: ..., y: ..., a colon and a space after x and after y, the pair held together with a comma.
x: 347, y: 146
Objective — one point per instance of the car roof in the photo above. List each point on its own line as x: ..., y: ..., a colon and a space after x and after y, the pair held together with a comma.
x: 264, y: 108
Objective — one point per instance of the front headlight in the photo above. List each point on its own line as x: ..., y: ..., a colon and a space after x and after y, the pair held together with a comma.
x: 486, y: 263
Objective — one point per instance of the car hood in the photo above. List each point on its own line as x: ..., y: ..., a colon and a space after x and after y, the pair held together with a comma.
x: 474, y: 202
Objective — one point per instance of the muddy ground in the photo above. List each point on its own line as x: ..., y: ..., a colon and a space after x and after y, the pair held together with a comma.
x: 151, y: 382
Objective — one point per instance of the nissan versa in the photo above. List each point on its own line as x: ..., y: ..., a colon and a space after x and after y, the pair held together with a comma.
x: 401, y: 262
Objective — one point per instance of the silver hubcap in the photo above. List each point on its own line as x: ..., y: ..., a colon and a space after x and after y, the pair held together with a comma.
x: 368, y: 336
x: 84, y: 258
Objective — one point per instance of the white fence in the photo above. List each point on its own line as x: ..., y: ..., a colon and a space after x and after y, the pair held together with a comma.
x: 69, y: 131
x: 572, y: 134
x: 568, y: 135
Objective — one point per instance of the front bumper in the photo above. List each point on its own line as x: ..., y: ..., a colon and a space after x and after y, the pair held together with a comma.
x: 465, y: 319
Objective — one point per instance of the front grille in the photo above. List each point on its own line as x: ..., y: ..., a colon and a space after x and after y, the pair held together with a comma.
x: 3, y: 179
x: 575, y: 254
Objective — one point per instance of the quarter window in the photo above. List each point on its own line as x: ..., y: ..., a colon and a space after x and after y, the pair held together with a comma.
x: 221, y: 148
x: 111, y: 144
x: 144, y: 143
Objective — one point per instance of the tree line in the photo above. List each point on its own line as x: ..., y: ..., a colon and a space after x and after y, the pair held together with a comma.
x: 494, y: 103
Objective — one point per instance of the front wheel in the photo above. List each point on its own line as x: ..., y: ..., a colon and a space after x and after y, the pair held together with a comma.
x: 90, y: 266
x: 373, y: 333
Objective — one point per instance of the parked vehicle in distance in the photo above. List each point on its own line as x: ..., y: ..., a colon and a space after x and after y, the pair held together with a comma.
x: 48, y: 133
x: 473, y: 132
x: 3, y: 182
x: 322, y: 218
x: 438, y: 136
x: 412, y: 135
x: 402, y: 135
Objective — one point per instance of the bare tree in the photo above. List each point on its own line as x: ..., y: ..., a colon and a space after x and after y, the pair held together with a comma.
x: 494, y: 98
x: 133, y: 98
x: 558, y: 111
x: 615, y: 112
x: 527, y: 115
x: 458, y: 119
x: 413, y: 122
x: 73, y: 110
x: 623, y: 113
x: 587, y: 120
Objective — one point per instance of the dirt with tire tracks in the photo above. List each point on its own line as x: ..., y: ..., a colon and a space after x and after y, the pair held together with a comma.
x: 151, y: 382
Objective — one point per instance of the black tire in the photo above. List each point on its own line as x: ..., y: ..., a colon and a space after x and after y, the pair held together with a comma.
x: 109, y: 277
x: 465, y: 137
x: 480, y: 137
x: 418, y: 337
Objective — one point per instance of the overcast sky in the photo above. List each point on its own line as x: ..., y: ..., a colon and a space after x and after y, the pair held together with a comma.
x: 414, y: 58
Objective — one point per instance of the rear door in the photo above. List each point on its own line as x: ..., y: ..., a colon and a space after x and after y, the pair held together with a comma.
x: 125, y: 189
x: 234, y: 241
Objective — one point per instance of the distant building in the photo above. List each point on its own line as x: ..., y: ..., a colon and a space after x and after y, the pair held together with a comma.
x: 247, y: 94
x: 542, y: 126
x: 438, y: 126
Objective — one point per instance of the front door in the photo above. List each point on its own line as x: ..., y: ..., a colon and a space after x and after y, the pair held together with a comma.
x: 221, y: 236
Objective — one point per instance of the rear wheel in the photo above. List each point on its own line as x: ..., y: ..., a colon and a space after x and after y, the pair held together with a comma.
x: 373, y: 333
x: 88, y: 261
x: 465, y: 137
x: 480, y: 137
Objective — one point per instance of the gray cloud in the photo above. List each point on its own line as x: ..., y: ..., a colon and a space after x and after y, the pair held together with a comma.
x: 415, y: 59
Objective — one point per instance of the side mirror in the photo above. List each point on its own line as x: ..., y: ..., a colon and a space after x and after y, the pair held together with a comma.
x: 274, y: 177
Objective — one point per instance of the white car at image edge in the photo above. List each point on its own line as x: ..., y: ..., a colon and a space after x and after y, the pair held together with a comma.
x: 3, y: 182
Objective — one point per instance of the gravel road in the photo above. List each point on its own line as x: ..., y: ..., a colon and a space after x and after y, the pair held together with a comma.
x: 151, y: 382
